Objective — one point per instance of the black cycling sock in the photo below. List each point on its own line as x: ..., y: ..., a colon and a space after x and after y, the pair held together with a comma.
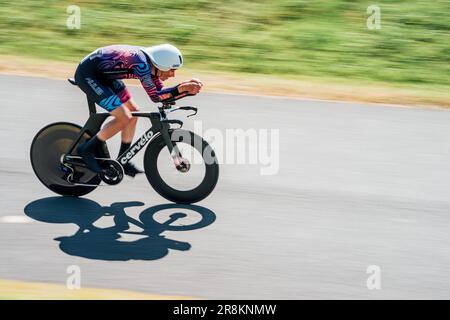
x: 124, y: 147
x: 92, y: 144
x: 87, y: 151
x: 102, y: 151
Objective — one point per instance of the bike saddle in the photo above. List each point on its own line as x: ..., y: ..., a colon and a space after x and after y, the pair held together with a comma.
x: 72, y: 81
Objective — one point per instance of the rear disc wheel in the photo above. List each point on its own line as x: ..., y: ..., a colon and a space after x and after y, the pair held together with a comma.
x: 46, y: 151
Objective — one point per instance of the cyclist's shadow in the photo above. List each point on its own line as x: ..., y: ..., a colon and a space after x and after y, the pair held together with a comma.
x: 107, y: 243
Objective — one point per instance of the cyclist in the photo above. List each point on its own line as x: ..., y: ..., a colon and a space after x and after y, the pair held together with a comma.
x: 99, y: 74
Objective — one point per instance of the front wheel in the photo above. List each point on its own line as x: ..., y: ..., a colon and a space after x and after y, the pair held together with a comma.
x: 189, y: 182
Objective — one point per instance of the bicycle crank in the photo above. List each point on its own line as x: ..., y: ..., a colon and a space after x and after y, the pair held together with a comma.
x: 112, y: 173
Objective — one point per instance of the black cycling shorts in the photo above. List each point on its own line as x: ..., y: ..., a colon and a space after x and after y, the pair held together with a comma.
x: 107, y: 93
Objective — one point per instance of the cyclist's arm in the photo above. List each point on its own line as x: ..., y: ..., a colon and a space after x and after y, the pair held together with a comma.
x: 156, y: 92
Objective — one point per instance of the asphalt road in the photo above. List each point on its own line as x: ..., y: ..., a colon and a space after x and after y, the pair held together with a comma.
x: 357, y: 185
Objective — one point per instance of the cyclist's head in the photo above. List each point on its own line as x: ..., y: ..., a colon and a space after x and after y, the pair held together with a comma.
x: 165, y: 57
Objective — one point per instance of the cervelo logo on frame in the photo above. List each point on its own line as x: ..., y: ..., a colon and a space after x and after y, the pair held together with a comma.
x: 138, y: 146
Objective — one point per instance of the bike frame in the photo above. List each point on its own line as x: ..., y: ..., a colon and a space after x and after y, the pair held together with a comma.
x: 159, y: 124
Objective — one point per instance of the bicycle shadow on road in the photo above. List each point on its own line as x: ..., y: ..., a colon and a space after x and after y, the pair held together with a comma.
x: 108, y: 243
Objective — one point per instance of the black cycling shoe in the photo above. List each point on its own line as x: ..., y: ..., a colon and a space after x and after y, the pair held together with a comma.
x: 131, y: 170
x: 89, y: 158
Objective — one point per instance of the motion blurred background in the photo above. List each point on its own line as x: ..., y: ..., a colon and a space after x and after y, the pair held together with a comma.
x: 358, y: 185
x: 320, y: 41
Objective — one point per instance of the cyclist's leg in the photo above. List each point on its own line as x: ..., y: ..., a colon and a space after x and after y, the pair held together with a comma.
x: 122, y: 121
x: 129, y: 130
x: 122, y: 117
x: 105, y: 97
x: 125, y: 97
x: 87, y: 150
x: 130, y: 168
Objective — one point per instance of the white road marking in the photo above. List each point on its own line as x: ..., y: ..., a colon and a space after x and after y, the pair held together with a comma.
x: 15, y: 219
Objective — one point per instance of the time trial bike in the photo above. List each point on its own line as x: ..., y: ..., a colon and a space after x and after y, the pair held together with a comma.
x: 179, y: 164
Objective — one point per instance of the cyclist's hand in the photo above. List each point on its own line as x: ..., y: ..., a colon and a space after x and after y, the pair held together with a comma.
x: 190, y: 87
x: 197, y: 81
x: 193, y: 80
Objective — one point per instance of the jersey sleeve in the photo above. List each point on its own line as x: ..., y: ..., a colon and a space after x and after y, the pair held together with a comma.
x: 154, y: 87
x: 149, y: 86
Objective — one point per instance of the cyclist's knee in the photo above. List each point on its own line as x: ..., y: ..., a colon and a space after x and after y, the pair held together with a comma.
x: 126, y: 120
x: 130, y: 105
x: 133, y: 120
x: 123, y: 116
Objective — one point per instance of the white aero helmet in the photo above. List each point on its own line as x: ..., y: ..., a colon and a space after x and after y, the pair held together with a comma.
x: 165, y: 56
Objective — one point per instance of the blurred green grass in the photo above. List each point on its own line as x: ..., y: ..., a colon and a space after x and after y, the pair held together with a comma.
x: 278, y: 38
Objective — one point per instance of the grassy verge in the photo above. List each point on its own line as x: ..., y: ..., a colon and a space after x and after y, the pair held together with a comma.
x: 18, y: 290
x: 309, y: 88
x: 317, y: 49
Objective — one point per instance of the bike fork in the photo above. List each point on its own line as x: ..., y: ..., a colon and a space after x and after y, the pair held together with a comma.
x: 173, y: 148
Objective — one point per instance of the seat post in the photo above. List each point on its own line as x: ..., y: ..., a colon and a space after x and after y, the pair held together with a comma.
x: 91, y: 105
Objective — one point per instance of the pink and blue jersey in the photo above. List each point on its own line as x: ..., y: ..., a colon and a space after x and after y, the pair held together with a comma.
x: 99, y: 76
